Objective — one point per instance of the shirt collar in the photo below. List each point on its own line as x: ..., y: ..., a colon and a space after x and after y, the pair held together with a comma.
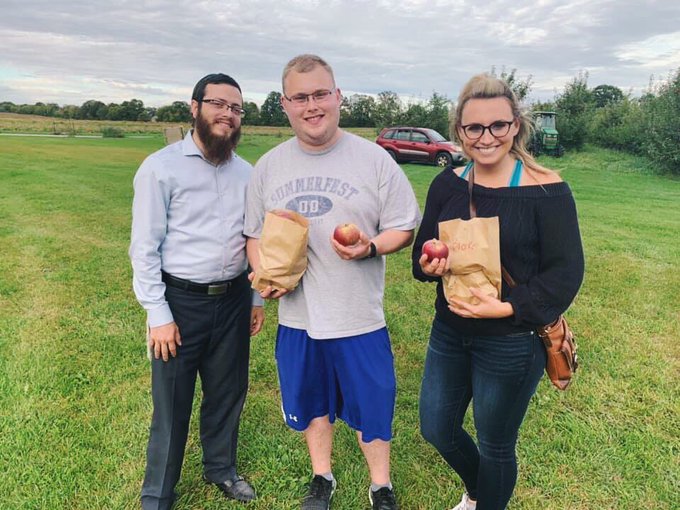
x: 189, y: 147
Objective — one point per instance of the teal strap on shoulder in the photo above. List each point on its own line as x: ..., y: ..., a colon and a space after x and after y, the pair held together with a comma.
x: 468, y: 167
x: 516, y: 174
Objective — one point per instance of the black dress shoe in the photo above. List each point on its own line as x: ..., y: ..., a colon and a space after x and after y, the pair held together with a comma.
x: 237, y: 489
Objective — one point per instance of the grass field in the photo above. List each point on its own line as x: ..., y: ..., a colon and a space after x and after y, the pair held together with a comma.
x: 74, y: 381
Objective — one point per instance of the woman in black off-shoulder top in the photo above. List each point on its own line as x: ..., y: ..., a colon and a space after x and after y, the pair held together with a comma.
x: 489, y: 353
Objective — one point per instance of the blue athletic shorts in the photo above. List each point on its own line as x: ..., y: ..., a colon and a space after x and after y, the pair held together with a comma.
x: 351, y: 378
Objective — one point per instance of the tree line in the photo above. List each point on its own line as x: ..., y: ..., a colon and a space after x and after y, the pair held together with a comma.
x: 604, y: 115
x: 132, y: 110
x: 358, y: 110
x: 648, y: 125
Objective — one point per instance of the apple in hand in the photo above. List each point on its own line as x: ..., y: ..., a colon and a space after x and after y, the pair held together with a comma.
x: 346, y: 234
x: 435, y: 249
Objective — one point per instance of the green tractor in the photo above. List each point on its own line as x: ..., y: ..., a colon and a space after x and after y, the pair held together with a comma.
x: 546, y: 140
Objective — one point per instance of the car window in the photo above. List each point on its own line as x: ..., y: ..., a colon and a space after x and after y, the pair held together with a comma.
x: 402, y: 135
x: 436, y: 136
x: 417, y: 136
x: 389, y: 134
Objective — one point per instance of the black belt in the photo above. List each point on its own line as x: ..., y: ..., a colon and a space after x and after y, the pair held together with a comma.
x: 210, y: 289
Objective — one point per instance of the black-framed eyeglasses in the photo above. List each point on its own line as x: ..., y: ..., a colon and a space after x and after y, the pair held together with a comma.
x: 223, y: 105
x: 319, y: 96
x: 497, y: 129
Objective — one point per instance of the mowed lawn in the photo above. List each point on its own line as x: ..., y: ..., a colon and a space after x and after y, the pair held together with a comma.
x: 74, y: 380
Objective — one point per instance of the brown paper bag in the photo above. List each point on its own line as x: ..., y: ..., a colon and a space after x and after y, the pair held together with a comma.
x: 474, y: 258
x: 282, y: 250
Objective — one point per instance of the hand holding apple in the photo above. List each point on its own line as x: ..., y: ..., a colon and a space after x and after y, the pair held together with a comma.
x: 349, y: 242
x: 347, y: 234
x: 435, y: 249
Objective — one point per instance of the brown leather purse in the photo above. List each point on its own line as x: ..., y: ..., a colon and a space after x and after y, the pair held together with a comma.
x: 558, y: 338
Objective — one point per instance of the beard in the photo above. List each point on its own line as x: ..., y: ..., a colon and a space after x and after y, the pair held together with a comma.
x: 218, y: 149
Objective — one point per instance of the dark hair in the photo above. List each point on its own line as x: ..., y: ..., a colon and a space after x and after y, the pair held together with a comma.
x: 216, y: 78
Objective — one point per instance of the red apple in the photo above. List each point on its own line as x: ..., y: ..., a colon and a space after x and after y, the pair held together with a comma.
x: 346, y: 234
x: 284, y: 213
x: 435, y: 249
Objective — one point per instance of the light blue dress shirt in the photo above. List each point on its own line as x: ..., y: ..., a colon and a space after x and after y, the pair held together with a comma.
x: 187, y: 220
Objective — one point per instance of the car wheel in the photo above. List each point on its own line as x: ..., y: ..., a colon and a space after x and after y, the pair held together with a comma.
x: 560, y: 151
x: 392, y: 154
x: 443, y: 159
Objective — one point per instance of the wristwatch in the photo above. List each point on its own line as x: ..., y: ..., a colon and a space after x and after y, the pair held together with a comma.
x: 373, y: 253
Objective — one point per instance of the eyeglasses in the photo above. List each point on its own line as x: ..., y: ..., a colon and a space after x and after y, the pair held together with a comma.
x: 223, y: 105
x: 497, y: 129
x: 319, y: 96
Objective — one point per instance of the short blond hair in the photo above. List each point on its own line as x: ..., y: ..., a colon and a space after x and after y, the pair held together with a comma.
x: 304, y: 64
x: 486, y: 86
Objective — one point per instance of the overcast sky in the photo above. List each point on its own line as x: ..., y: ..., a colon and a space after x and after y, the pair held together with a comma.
x: 70, y: 51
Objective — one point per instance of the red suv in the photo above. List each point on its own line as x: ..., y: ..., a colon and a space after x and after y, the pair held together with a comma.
x: 419, y: 144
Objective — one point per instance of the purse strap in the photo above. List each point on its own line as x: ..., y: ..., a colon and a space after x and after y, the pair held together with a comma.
x: 473, y: 214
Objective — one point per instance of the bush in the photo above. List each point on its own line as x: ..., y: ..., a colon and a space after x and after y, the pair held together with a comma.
x: 619, y: 126
x: 112, y: 132
x: 574, y: 109
x: 662, y: 115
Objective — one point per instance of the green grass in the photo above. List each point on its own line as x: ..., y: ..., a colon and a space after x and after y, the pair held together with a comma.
x: 74, y: 381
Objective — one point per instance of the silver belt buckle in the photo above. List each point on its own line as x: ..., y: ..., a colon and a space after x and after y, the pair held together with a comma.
x: 214, y: 290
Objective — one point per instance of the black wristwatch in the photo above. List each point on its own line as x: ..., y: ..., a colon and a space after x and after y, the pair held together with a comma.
x: 373, y: 253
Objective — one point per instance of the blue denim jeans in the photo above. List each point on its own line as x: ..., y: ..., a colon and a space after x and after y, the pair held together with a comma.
x: 499, y: 374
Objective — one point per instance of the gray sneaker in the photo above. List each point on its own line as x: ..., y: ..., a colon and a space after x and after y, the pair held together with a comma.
x: 319, y: 495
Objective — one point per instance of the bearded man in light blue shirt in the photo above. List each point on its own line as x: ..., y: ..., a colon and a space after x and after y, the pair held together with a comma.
x: 189, y: 263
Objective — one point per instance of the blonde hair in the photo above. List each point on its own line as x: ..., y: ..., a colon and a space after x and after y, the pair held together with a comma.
x: 304, y: 64
x: 485, y: 86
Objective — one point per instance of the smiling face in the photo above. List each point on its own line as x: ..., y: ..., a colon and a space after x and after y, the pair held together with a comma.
x: 222, y: 121
x: 315, y: 122
x: 217, y: 130
x: 488, y: 151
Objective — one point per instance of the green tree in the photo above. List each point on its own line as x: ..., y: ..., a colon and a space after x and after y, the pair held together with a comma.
x: 93, y: 110
x: 438, y: 113
x: 252, y: 117
x: 521, y: 88
x: 361, y: 109
x: 115, y: 112
x: 178, y: 111
x: 414, y: 115
x: 271, y: 113
x: 387, y: 109
x: 606, y: 94
x: 69, y: 111
x: 662, y: 124
x: 619, y: 125
x: 345, y: 113
x: 8, y: 106
x: 574, y: 109
x: 132, y: 110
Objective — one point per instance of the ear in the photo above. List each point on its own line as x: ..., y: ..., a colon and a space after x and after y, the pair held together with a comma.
x: 194, y: 108
x: 514, y: 129
x: 282, y: 101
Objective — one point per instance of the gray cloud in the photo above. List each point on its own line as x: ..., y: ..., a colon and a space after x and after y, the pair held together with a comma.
x: 68, y: 52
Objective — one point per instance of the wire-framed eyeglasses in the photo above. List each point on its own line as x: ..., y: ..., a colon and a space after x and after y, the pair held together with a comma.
x: 223, y: 105
x: 319, y: 96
